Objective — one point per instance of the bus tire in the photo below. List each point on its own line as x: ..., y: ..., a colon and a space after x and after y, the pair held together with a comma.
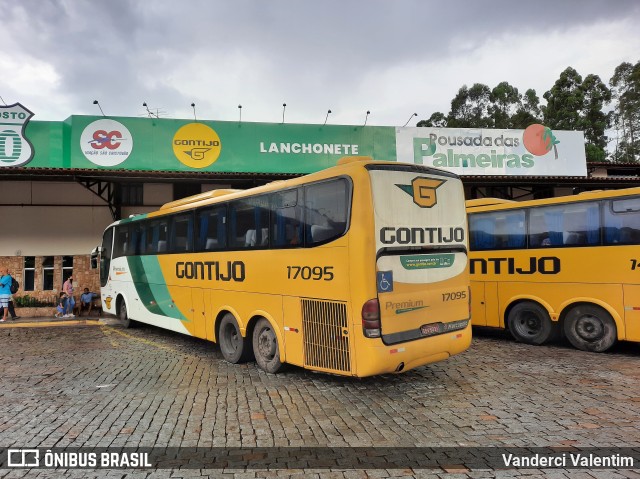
x: 530, y: 323
x: 265, y: 347
x: 123, y: 314
x: 590, y: 328
x: 234, y: 348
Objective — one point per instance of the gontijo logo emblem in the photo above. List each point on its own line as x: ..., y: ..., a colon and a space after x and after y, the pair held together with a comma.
x: 196, y: 145
x: 423, y: 191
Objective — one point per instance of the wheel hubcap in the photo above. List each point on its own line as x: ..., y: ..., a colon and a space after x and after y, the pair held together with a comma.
x: 232, y: 334
x: 267, y: 344
x: 529, y: 324
x: 589, y: 328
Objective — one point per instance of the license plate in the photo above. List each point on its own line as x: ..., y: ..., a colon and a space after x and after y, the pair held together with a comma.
x: 431, y: 329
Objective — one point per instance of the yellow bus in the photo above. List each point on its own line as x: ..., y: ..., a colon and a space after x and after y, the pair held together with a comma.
x: 560, y: 266
x: 359, y: 269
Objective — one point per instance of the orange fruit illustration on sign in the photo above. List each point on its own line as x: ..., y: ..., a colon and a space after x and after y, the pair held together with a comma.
x: 538, y: 140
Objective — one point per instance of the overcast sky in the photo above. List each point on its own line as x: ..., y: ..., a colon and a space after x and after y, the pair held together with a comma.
x: 393, y: 58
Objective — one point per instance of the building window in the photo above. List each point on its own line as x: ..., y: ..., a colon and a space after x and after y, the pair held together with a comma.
x: 131, y: 194
x: 29, y: 273
x: 47, y: 273
x: 67, y: 267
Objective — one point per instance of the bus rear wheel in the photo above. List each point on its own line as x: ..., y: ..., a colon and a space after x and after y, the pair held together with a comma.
x: 265, y: 347
x: 235, y: 348
x: 530, y: 323
x: 590, y: 328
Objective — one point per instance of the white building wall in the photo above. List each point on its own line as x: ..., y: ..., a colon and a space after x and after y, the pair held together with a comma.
x: 51, y: 230
x: 58, y: 218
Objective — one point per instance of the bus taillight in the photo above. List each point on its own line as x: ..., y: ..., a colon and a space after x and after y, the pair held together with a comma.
x: 371, y: 319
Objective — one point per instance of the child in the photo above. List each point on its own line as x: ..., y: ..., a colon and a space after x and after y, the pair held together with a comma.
x: 62, y: 305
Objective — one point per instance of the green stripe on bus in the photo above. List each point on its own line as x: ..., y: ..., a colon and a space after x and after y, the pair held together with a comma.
x: 140, y: 216
x: 151, y: 288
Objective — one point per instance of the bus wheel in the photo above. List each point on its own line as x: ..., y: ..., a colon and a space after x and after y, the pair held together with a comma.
x: 590, y: 328
x: 530, y: 323
x: 265, y: 347
x: 233, y: 346
x: 127, y: 322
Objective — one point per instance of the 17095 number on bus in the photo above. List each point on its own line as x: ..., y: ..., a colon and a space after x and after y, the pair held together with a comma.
x: 314, y: 273
x: 454, y: 295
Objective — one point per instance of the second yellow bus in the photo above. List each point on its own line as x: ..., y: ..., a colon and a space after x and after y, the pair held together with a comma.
x: 567, y: 265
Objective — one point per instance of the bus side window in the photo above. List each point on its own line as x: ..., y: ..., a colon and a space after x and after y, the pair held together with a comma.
x: 121, y: 243
x: 181, y: 238
x: 286, y: 215
x: 482, y: 232
x: 212, y: 233
x: 321, y: 233
x: 622, y: 221
x: 249, y: 223
x: 325, y: 211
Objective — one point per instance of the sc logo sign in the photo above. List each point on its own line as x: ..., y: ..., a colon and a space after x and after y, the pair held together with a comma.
x: 106, y: 142
x: 103, y: 139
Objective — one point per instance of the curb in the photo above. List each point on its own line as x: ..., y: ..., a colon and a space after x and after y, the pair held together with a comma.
x: 43, y: 324
x: 47, y: 322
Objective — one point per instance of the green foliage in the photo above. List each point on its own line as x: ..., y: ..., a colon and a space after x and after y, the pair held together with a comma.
x: 564, y: 102
x: 470, y: 108
x: 436, y: 120
x: 625, y: 86
x: 572, y: 103
x: 27, y: 301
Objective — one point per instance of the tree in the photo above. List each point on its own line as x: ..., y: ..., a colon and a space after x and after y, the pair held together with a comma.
x: 528, y: 112
x: 577, y: 104
x: 436, y: 120
x: 564, y: 102
x: 470, y: 108
x: 625, y: 85
x: 505, y: 102
x: 594, y: 120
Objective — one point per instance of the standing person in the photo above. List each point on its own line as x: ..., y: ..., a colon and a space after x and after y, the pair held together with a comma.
x: 12, y: 309
x: 5, y: 292
x: 67, y: 288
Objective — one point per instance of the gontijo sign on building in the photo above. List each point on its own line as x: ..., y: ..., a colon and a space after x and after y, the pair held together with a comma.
x: 160, y: 144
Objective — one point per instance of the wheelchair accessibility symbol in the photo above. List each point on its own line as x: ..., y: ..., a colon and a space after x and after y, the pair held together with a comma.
x: 385, y: 281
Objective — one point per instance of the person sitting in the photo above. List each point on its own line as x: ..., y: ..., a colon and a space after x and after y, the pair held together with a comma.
x: 62, y: 305
x: 86, y: 301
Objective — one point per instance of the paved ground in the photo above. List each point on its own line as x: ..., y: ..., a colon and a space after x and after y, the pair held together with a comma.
x: 99, y: 385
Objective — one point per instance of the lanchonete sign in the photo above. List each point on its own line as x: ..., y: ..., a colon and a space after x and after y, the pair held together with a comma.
x: 123, y: 143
